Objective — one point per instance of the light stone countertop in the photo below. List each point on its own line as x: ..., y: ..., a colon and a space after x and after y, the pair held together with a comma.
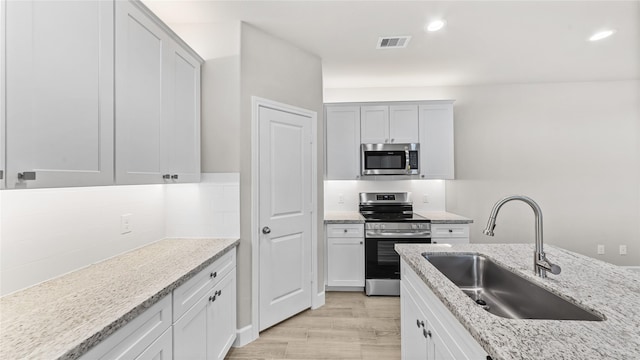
x: 354, y: 217
x: 343, y: 217
x: 443, y: 217
x: 600, y: 287
x: 64, y: 317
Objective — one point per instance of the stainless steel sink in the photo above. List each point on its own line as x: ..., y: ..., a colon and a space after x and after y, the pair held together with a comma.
x: 502, y: 292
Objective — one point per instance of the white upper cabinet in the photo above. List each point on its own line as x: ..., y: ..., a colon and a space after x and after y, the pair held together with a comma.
x: 343, y: 142
x: 59, y: 93
x: 157, y: 103
x: 382, y: 124
x: 141, y: 51
x: 403, y: 124
x: 374, y: 124
x: 182, y: 141
x: 436, y: 140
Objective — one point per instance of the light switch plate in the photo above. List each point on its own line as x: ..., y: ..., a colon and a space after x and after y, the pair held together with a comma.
x: 623, y: 249
x: 600, y: 249
x: 125, y: 224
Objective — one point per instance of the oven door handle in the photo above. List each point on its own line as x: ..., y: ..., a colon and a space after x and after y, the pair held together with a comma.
x: 378, y: 234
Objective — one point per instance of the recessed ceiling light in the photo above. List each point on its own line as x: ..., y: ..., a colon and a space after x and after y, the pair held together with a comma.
x: 601, y: 35
x: 435, y: 25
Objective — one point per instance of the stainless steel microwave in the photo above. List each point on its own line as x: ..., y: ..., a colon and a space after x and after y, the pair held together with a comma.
x: 390, y: 159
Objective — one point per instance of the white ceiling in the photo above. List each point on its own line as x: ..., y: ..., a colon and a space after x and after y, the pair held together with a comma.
x: 484, y: 42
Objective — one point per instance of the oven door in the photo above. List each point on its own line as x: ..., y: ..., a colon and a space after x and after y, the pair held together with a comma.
x: 381, y: 260
x: 390, y: 159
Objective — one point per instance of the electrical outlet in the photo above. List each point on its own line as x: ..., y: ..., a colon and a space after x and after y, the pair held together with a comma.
x: 425, y: 198
x: 600, y: 249
x: 125, y: 224
x: 340, y: 199
x: 623, y: 249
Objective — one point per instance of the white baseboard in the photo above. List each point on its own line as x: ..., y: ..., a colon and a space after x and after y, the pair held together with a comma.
x: 632, y: 268
x: 317, y: 301
x: 244, y: 336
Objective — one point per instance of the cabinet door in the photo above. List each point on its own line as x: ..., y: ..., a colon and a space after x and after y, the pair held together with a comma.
x: 403, y: 124
x: 436, y: 141
x: 343, y: 142
x: 190, y: 332
x: 59, y: 93
x: 141, y: 51
x: 345, y: 262
x: 181, y: 144
x: 221, y: 318
x: 412, y: 328
x: 374, y: 124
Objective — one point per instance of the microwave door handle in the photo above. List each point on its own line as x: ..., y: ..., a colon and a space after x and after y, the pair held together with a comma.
x: 406, y: 157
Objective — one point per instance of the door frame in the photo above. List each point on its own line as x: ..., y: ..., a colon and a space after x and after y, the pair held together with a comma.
x: 256, y: 104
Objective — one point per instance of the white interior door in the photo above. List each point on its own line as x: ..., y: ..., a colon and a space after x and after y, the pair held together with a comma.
x: 285, y: 188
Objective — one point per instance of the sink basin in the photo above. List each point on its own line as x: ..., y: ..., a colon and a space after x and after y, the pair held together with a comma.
x: 504, y: 293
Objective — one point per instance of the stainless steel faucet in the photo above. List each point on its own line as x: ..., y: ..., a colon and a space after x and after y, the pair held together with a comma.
x: 540, y: 263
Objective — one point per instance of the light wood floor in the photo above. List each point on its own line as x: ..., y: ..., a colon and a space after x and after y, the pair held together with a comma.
x: 349, y: 326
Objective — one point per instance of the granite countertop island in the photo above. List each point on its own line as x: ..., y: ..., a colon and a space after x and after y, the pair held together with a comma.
x: 354, y: 217
x: 599, y: 287
x: 64, y: 317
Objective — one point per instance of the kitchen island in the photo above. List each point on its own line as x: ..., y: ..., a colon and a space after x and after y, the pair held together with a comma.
x: 602, y: 288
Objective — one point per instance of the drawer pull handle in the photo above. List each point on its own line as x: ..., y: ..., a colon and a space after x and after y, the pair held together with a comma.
x: 27, y: 175
x: 450, y: 230
x: 213, y: 275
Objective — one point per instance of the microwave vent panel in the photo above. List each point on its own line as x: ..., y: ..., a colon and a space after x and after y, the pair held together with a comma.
x: 393, y: 42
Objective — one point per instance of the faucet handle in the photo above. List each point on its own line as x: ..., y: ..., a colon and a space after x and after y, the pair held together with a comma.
x: 549, y: 266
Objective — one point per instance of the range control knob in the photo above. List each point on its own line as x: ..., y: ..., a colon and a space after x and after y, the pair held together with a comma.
x: 376, y: 226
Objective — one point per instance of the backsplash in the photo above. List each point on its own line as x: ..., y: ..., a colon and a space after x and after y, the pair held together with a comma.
x: 210, y: 208
x: 342, y: 195
x: 45, y: 233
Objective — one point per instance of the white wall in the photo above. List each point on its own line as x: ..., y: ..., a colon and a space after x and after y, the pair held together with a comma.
x: 347, y: 191
x: 46, y: 233
x: 573, y: 147
x: 49, y: 232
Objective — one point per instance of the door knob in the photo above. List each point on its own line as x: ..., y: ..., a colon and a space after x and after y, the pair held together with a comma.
x: 266, y: 230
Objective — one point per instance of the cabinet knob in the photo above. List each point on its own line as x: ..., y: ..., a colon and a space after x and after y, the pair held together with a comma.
x: 435, y: 242
x: 361, y: 242
x: 419, y: 323
x: 174, y: 177
x: 357, y: 176
x: 426, y: 333
x: 392, y: 140
x: 1, y: 174
x: 212, y: 298
x: 166, y: 176
x: 213, y: 274
x: 27, y: 175
x: 450, y: 230
x: 345, y: 230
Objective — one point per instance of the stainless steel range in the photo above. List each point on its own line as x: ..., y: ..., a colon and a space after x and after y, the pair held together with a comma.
x: 389, y: 220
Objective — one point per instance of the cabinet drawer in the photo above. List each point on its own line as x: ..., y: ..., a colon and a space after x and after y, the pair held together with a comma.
x: 345, y: 230
x: 449, y: 240
x: 449, y: 230
x: 185, y: 296
x: 131, y: 340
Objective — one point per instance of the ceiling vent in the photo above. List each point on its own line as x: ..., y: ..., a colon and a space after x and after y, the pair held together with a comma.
x: 393, y: 42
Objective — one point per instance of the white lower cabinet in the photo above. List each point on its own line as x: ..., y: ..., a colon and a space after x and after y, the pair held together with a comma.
x: 203, y: 313
x: 133, y: 339
x: 161, y: 349
x: 345, y: 255
x: 450, y: 233
x: 208, y: 328
x: 428, y: 329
